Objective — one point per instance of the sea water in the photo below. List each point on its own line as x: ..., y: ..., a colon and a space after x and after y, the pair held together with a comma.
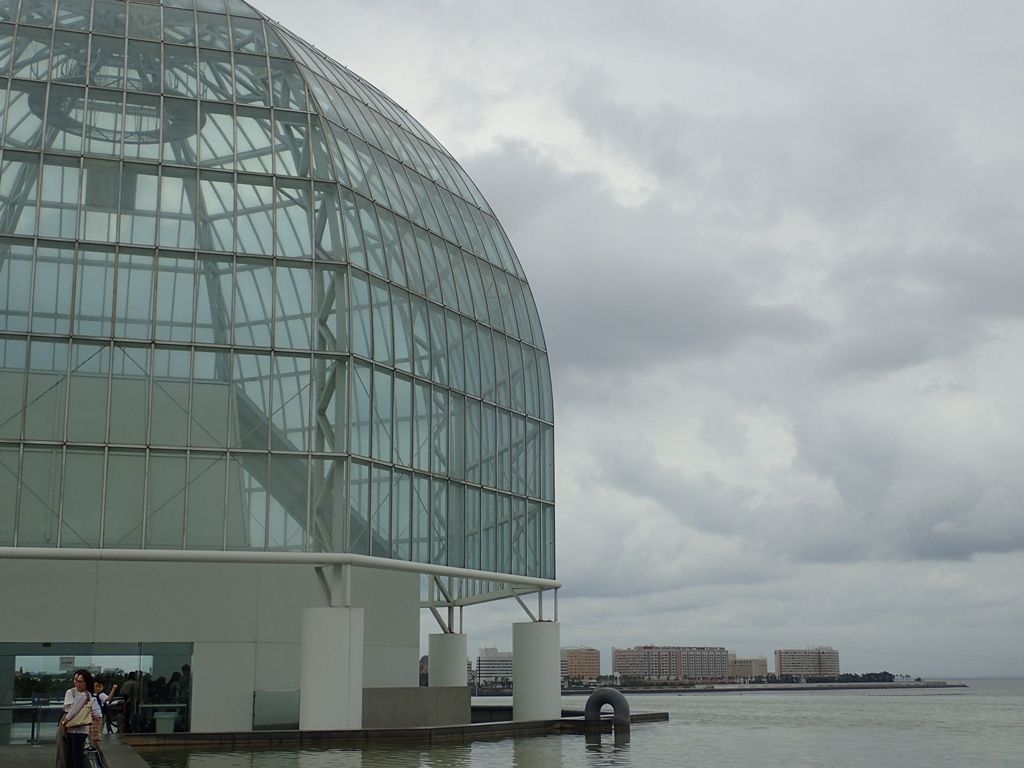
x: 981, y: 726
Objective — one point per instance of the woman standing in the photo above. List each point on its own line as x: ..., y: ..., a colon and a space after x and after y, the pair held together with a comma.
x: 75, y: 699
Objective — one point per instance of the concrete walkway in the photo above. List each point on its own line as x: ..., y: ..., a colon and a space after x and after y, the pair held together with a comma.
x: 44, y: 755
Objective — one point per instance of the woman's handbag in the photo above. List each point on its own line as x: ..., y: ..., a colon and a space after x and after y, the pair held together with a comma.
x: 82, y: 717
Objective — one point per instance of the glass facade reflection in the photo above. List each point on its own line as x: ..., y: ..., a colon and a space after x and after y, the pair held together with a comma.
x: 248, y: 303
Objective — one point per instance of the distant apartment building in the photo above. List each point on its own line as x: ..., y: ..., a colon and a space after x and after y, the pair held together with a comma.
x: 673, y: 662
x: 582, y: 664
x: 745, y: 669
x: 493, y: 666
x: 821, y: 661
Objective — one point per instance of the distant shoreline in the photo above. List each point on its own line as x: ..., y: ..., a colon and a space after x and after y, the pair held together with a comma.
x: 779, y: 687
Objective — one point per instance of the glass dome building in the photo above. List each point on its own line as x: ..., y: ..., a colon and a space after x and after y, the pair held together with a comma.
x: 248, y: 302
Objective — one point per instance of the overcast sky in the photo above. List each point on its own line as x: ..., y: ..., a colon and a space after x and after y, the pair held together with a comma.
x: 776, y: 249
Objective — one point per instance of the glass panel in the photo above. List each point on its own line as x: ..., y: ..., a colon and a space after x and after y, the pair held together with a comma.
x: 94, y: 296
x: 74, y: 14
x: 457, y: 436
x: 489, y: 531
x: 252, y: 381
x: 206, y: 508
x: 456, y: 364
x: 122, y: 520
x: 39, y: 498
x: 129, y: 392
x: 82, y: 496
x: 353, y: 232
x: 87, y: 382
x: 456, y: 524
x: 139, y: 189
x: 15, y: 276
x: 213, y: 300
x: 371, y: 238
x: 361, y: 410
x: 9, y: 475
x: 142, y: 120
x: 217, y: 137
x: 177, y: 223
x: 106, y: 61
x: 134, y: 304
x: 473, y: 433
x: 439, y: 432
x: 165, y: 509
x: 382, y: 428
x: 32, y: 53
x: 288, y: 90
x: 438, y: 345
x: 253, y: 303
x: 292, y: 144
x: 501, y: 370
x: 24, y: 121
x: 362, y: 317
x: 330, y: 514
x: 252, y: 80
x: 58, y: 199
x: 175, y: 296
x: 247, y: 502
x: 471, y: 351
x: 548, y: 462
x: 211, y: 399
x: 403, y: 436
x: 179, y: 26
x: 99, y: 202
x: 144, y: 67
x: 392, y: 249
x: 180, y: 137
x: 488, y: 446
x: 19, y: 179
x: 255, y: 222
x: 332, y: 310
x: 323, y: 164
x: 255, y: 145
x: 104, y: 123
x: 421, y: 519
x: 383, y: 335
x: 472, y: 527
x: 290, y: 408
x: 181, y: 74
x: 439, y: 522
x: 213, y: 30
x: 293, y: 295
x: 380, y: 510
x: 421, y: 426
x: 169, y: 411
x: 215, y: 82
x: 328, y: 238
x: 292, y: 214
x: 216, y: 216
x: 420, y: 337
x: 288, y: 502
x: 52, y: 290
x: 65, y: 118
x: 108, y: 17
x: 401, y: 310
x: 518, y: 454
x: 401, y: 516
x: 247, y: 35
x: 359, y: 508
x: 504, y: 449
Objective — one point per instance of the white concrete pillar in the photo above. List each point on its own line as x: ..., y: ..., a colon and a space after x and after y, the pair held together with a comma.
x: 331, y: 677
x: 447, y: 654
x: 536, y: 671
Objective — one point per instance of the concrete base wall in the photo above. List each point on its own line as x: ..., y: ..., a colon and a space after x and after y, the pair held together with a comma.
x: 244, y: 621
x: 415, y: 707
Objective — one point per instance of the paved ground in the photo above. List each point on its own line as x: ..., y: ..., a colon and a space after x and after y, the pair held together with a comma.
x: 45, y: 754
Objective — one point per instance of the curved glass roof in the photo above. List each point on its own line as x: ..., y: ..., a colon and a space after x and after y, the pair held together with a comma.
x: 248, y: 302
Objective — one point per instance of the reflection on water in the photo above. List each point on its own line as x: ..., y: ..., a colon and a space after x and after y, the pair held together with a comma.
x: 977, y: 727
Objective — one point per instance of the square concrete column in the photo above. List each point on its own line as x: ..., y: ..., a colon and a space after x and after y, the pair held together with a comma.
x: 331, y: 696
x: 536, y: 671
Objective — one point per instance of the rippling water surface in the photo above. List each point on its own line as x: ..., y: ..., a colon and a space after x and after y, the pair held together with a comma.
x: 981, y: 727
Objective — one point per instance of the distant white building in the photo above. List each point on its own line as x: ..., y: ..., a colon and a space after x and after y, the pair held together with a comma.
x: 493, y: 666
x: 822, y: 661
x: 674, y: 662
x: 745, y: 669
